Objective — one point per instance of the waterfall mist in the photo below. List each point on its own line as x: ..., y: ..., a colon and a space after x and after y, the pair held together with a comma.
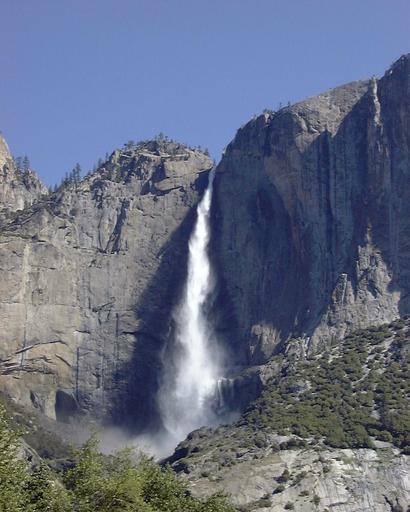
x: 193, y: 391
x: 192, y: 364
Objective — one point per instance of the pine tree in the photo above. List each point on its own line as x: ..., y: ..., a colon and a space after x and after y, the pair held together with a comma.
x: 66, y: 180
x: 96, y: 483
x: 26, y: 164
x: 13, y: 470
x: 77, y: 173
x: 18, y: 163
x: 46, y: 493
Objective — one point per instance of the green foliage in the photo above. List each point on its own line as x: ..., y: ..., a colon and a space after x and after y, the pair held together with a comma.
x: 334, y: 396
x: 13, y: 471
x: 120, y: 483
x: 264, y: 502
x: 284, y: 477
x: 47, y: 444
x: 316, y: 499
x: 21, y: 489
x: 95, y: 483
x: 86, y: 479
x: 45, y: 493
x: 280, y: 488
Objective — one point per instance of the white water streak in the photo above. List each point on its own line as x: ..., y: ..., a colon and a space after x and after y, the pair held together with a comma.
x: 191, y: 372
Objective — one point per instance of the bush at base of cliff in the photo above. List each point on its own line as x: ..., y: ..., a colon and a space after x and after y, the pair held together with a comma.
x: 96, y: 483
x: 118, y: 482
x: 20, y: 489
x: 13, y: 474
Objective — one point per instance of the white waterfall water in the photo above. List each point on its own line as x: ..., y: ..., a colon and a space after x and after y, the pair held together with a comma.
x: 194, y: 365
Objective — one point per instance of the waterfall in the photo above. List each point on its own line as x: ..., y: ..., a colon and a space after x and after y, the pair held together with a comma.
x: 193, y: 363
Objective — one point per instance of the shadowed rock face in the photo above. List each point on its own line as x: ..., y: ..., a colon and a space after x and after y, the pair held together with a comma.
x: 312, y: 218
x: 89, y: 276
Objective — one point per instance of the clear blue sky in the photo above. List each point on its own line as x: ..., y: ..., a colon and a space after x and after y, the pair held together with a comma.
x: 81, y: 77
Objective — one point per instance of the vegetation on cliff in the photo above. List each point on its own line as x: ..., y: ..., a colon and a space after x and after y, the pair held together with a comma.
x: 349, y: 395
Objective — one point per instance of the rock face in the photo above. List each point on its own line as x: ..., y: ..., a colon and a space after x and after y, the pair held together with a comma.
x: 17, y: 190
x: 89, y: 276
x: 338, y: 480
x: 312, y: 218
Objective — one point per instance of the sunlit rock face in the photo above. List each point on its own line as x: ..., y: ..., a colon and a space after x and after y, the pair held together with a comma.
x: 89, y: 278
x: 17, y: 190
x: 312, y: 218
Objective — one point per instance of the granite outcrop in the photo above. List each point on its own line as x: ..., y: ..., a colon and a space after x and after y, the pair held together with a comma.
x: 89, y: 276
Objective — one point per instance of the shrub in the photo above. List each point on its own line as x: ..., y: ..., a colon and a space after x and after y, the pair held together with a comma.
x: 337, y: 404
x: 14, y: 475
x: 284, y: 477
x: 280, y: 488
x: 384, y: 435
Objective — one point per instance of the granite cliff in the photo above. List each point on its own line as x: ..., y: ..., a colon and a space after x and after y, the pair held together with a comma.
x: 89, y: 275
x: 310, y: 242
x: 312, y: 218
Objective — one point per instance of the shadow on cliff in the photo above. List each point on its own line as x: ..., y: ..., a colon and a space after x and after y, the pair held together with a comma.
x: 297, y: 261
x: 390, y: 188
x: 295, y: 275
x: 136, y: 408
